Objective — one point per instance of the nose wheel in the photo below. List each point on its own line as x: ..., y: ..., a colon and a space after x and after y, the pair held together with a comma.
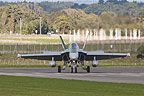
x: 72, y: 69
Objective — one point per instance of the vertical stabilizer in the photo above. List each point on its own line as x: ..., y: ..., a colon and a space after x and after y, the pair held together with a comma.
x: 63, y: 44
x: 87, y: 34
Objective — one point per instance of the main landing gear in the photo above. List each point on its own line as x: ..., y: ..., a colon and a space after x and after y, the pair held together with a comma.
x: 88, y: 69
x: 59, y: 69
x: 74, y: 68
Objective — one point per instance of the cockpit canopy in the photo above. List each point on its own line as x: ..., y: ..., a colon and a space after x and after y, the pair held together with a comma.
x: 73, y: 48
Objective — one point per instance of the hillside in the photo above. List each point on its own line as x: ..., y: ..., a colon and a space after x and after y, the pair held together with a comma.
x: 54, y: 6
x: 127, y: 8
x: 120, y: 7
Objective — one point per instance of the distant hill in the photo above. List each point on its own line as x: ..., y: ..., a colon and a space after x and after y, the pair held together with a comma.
x: 55, y: 6
x: 121, y: 7
x: 5, y: 3
x: 128, y: 8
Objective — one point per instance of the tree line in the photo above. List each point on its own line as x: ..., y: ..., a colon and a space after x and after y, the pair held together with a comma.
x: 121, y: 7
x: 65, y: 19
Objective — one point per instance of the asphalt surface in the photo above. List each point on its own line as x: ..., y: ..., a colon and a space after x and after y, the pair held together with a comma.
x: 119, y: 75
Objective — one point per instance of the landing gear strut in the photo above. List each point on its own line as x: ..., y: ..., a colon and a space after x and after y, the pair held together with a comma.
x: 88, y: 69
x: 59, y: 69
x: 73, y: 69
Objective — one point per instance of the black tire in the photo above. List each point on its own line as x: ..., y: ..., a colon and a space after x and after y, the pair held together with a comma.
x: 139, y: 56
x: 88, y: 69
x: 75, y: 69
x: 59, y: 69
x: 71, y: 69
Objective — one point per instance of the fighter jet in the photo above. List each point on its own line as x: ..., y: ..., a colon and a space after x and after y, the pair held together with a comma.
x: 73, y: 56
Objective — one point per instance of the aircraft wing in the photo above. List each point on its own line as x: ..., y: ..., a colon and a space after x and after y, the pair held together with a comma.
x: 47, y: 55
x: 100, y: 55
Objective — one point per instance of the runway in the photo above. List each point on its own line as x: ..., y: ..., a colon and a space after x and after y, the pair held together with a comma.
x: 119, y: 75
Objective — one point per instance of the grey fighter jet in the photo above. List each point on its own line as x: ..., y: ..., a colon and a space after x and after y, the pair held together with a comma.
x: 73, y: 56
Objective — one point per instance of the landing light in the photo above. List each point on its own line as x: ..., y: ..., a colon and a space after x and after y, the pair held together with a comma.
x: 73, y: 61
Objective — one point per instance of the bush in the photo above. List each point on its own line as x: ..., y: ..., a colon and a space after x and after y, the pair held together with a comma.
x: 25, y: 32
x: 141, y: 49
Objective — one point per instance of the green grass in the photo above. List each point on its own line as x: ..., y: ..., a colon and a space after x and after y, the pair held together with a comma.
x: 29, y: 48
x: 25, y: 66
x: 20, y: 48
x: 29, y: 86
x: 37, y: 40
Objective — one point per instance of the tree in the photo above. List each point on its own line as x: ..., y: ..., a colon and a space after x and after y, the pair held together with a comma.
x: 108, y: 19
x: 25, y: 32
x: 62, y: 24
x: 50, y: 7
x: 141, y: 49
x: 10, y: 18
x: 90, y: 21
x: 113, y: 1
x: 101, y: 2
x: 4, y: 17
x: 120, y: 7
x: 124, y: 1
x: 76, y: 5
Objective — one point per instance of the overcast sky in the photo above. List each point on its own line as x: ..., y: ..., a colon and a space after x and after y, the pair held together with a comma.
x: 77, y: 1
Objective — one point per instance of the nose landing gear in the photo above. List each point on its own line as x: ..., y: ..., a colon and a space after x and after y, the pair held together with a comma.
x: 73, y: 68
